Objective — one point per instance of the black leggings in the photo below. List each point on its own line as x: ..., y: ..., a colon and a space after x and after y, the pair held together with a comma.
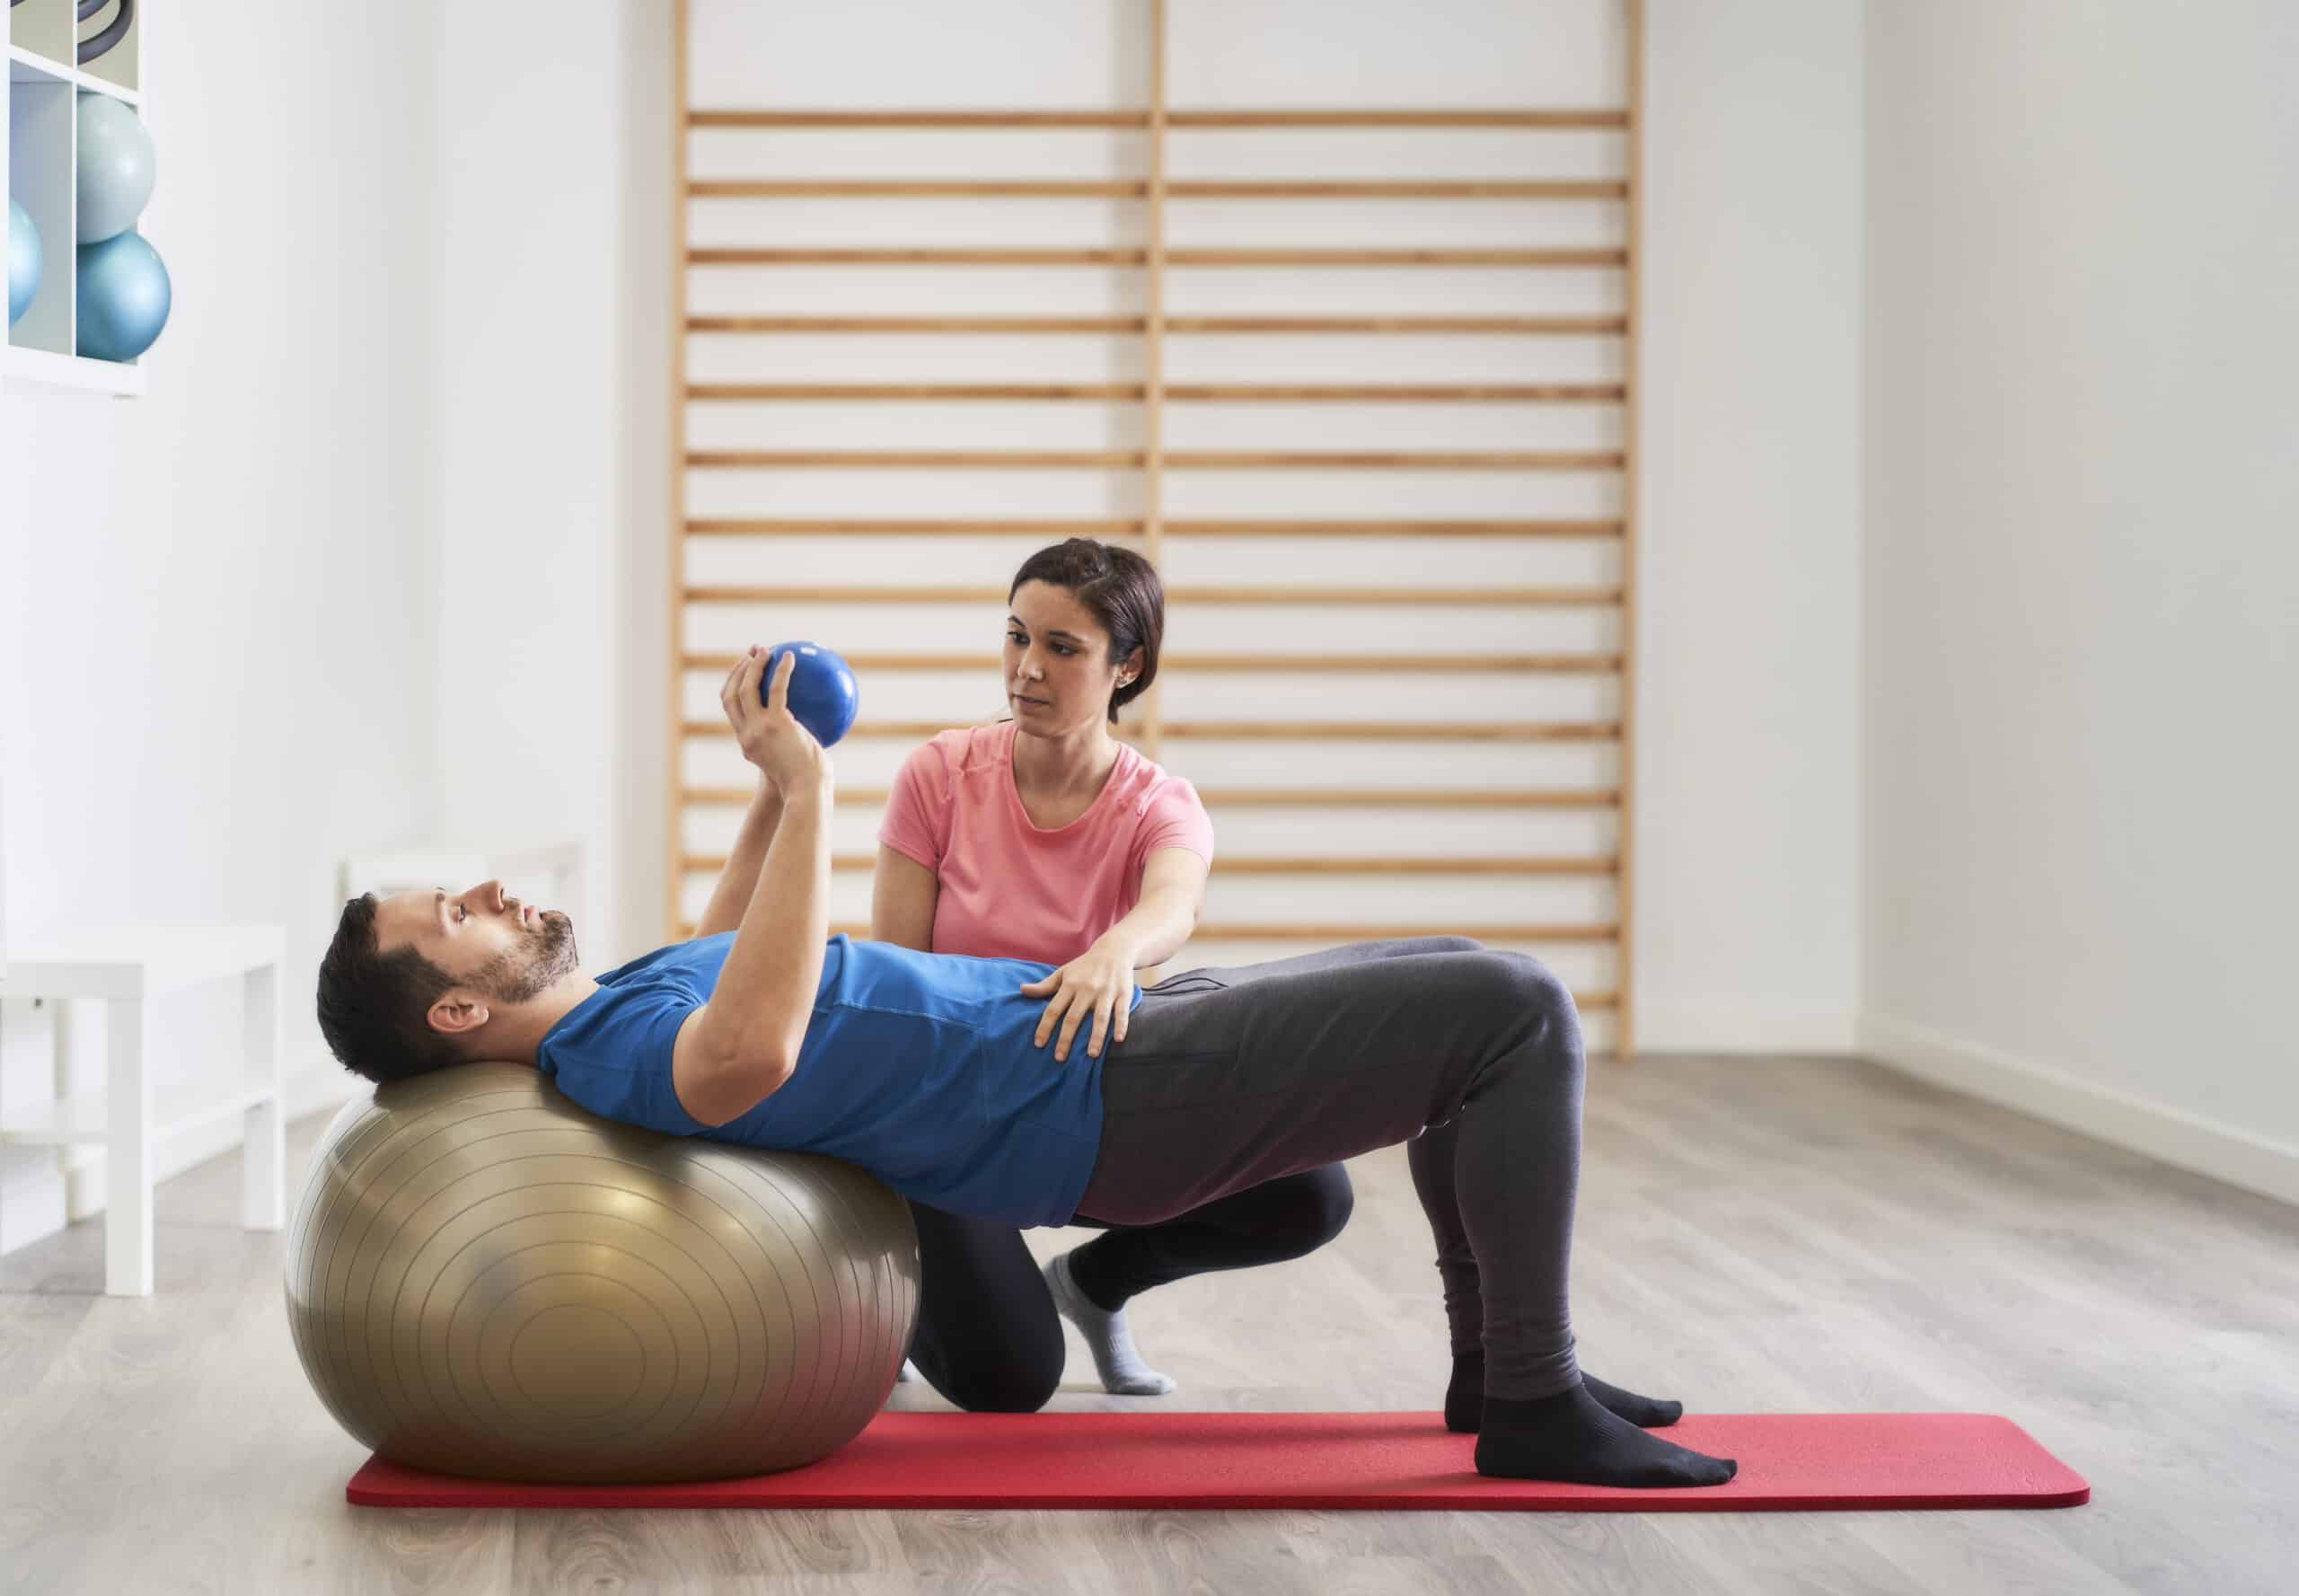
x: 989, y: 1339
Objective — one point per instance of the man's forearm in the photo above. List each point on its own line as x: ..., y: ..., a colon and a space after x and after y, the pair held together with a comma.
x: 739, y: 880
x: 766, y: 989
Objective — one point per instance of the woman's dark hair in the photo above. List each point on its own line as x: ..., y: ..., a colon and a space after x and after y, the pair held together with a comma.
x: 373, y: 1005
x: 1122, y: 591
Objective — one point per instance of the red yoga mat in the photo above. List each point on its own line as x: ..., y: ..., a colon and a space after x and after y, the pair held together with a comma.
x: 1788, y: 1462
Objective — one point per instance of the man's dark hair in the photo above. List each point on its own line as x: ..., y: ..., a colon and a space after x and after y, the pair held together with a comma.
x: 373, y: 1003
x: 1120, y: 589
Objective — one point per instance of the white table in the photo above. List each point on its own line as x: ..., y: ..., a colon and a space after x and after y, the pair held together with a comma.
x: 127, y: 969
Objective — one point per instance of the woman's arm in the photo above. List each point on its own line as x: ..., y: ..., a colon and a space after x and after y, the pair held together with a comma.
x: 1172, y: 896
x: 903, y: 896
x: 1098, y: 982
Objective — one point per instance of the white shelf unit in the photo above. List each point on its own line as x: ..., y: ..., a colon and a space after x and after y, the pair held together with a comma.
x: 39, y: 137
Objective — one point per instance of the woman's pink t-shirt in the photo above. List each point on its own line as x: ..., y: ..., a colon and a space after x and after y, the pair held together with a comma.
x: 1009, y: 889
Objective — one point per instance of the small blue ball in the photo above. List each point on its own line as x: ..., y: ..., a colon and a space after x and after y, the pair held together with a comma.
x: 124, y: 297
x: 824, y: 696
x: 23, y: 261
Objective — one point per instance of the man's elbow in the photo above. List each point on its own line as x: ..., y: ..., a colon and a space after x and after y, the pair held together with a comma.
x: 732, y: 1084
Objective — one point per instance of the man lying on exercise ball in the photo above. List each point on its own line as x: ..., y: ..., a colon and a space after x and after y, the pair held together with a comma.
x: 925, y: 1070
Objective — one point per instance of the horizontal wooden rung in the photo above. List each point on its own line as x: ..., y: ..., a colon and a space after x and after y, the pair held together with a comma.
x: 1312, y: 931
x: 727, y: 116
x: 762, y: 526
x: 1281, y: 798
x: 1271, y: 596
x: 1530, y: 119
x: 1136, y: 459
x: 1279, y: 731
x: 917, y: 459
x: 1392, y: 731
x: 1566, y: 665
x: 913, y: 255
x: 1571, y: 326
x: 756, y: 526
x: 1492, y: 326
x: 1140, y: 188
x: 1405, y: 865
x: 1598, y: 866
x: 916, y: 324
x: 1176, y: 393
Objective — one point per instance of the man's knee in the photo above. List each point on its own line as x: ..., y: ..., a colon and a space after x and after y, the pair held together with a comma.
x: 1530, y: 988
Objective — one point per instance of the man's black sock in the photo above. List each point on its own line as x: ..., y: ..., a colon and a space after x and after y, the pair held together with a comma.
x: 1465, y: 1399
x: 1570, y: 1436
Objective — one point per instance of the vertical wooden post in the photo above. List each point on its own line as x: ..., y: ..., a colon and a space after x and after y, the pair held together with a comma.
x: 1625, y: 1017
x: 674, y: 720
x: 1153, y: 358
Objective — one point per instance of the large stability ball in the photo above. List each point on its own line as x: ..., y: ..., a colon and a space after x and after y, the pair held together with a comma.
x: 124, y: 297
x: 116, y: 167
x: 23, y: 261
x: 483, y: 1279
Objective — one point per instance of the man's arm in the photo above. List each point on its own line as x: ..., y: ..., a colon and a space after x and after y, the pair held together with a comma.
x: 738, y: 1048
x: 739, y: 880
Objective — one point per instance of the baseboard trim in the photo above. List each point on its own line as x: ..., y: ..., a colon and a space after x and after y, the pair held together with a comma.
x: 2129, y: 1121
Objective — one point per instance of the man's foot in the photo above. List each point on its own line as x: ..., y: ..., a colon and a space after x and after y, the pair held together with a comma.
x: 1572, y: 1437
x: 1122, y: 1371
x: 1465, y: 1399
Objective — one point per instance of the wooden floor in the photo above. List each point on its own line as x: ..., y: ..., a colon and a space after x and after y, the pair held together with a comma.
x: 1754, y: 1236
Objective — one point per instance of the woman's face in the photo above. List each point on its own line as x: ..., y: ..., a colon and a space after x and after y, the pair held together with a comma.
x: 1058, y: 677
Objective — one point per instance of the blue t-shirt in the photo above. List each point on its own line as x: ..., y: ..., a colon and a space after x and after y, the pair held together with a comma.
x: 918, y: 1067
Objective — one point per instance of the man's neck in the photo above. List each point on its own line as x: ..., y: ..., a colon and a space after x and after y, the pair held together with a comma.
x: 517, y: 1036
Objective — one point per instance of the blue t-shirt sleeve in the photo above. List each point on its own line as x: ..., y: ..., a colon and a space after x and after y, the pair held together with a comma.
x: 619, y: 1065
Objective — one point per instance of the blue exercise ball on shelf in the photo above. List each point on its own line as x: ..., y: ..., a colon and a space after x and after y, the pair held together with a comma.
x: 23, y: 261
x: 824, y: 696
x: 124, y: 297
x: 116, y: 167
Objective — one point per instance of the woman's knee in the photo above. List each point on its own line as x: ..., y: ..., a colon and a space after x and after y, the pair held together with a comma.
x: 1310, y: 1209
x: 1002, y: 1386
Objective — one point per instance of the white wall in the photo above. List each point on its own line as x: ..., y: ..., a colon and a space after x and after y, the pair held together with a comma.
x: 550, y: 364
x: 1747, y: 900
x: 2084, y: 583
x: 215, y: 626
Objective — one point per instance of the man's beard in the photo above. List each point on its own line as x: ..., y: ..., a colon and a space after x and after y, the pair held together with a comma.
x: 527, y: 971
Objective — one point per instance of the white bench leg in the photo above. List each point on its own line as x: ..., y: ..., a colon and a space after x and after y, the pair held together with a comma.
x: 127, y: 1162
x: 263, y: 1155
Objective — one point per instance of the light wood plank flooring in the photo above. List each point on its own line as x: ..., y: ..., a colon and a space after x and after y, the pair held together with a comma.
x: 1754, y: 1236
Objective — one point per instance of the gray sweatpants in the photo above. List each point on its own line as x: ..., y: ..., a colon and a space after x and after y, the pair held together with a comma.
x: 1232, y: 1077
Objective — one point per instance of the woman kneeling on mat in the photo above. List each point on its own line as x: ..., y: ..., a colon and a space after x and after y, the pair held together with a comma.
x: 1045, y: 838
x: 925, y: 1070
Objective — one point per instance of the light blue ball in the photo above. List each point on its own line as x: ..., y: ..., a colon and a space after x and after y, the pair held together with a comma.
x: 116, y: 167
x: 23, y: 261
x: 123, y: 298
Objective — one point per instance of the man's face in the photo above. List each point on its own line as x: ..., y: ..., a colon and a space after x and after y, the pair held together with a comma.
x: 488, y: 941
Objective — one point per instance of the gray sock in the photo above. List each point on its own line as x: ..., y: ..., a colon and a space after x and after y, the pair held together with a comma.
x: 1122, y: 1371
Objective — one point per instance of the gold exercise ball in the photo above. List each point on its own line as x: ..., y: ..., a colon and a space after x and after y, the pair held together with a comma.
x: 486, y: 1279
